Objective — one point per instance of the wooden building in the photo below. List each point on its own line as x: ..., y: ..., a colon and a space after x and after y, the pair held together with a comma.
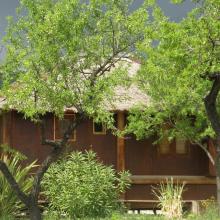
x: 149, y: 164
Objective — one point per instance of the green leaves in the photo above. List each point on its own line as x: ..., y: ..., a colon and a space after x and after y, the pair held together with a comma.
x: 60, y: 54
x: 80, y: 186
x: 9, y: 202
x: 175, y: 73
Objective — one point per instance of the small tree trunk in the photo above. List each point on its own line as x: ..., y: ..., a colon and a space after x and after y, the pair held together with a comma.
x: 217, y: 165
x: 218, y: 189
x: 212, y: 113
x: 30, y: 200
x: 35, y: 213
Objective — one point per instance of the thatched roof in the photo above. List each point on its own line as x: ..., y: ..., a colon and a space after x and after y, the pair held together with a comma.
x: 2, y: 102
x: 126, y: 97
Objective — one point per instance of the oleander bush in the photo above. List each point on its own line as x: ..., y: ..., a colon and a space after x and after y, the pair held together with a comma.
x: 9, y: 202
x: 79, y: 186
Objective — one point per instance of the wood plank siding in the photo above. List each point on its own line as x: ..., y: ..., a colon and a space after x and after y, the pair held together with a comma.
x: 148, y: 179
x: 142, y: 158
x: 120, y: 142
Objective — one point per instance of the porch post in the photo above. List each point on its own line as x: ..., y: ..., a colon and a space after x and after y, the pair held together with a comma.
x: 120, y: 143
x: 6, y: 122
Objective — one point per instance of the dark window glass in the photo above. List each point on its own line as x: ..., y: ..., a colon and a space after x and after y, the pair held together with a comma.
x: 99, y: 128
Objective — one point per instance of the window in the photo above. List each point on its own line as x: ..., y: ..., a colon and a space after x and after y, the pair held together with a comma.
x: 99, y: 128
x: 164, y: 146
x: 177, y: 147
x: 60, y: 125
x: 181, y: 146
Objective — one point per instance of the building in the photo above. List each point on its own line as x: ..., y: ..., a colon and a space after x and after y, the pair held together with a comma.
x: 149, y: 164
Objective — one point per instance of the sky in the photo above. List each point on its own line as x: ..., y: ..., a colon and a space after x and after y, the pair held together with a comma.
x: 175, y: 12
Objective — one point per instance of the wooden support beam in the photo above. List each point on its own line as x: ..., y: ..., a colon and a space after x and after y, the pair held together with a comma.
x: 3, y: 128
x: 121, y: 146
x: 151, y: 179
x: 6, y: 116
x: 153, y: 204
x: 120, y: 143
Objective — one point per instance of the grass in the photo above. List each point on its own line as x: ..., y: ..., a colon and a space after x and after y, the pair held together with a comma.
x: 145, y: 217
x: 210, y: 214
x: 118, y: 217
x: 130, y: 217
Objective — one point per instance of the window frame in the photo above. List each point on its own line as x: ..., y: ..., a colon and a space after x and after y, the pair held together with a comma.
x: 160, y: 146
x: 99, y: 132
x: 172, y: 151
x: 185, y: 146
x: 55, y: 120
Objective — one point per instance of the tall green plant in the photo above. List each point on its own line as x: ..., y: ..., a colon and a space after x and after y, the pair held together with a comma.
x: 9, y: 202
x: 80, y: 186
x: 169, y: 195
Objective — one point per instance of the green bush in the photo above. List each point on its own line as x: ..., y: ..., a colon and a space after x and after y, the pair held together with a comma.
x: 80, y: 186
x: 9, y: 202
x: 208, y: 210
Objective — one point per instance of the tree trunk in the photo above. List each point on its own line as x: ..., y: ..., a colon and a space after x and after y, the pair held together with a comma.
x: 35, y: 213
x: 30, y: 200
x: 218, y: 188
x: 217, y: 165
x: 213, y: 116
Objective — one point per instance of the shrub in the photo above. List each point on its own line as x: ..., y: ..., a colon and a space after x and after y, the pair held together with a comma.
x: 170, y: 198
x: 9, y: 202
x: 209, y: 210
x: 80, y: 186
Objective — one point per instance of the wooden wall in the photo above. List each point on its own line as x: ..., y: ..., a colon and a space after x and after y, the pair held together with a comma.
x: 192, y: 192
x: 25, y: 136
x: 143, y: 158
x: 139, y: 157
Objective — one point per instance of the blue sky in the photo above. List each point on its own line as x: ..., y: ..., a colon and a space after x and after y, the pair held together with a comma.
x: 175, y: 12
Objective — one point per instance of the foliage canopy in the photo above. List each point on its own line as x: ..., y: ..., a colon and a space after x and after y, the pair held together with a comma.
x: 176, y: 74
x: 58, y: 53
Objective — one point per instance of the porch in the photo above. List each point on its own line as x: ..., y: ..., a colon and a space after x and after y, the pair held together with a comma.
x: 140, y: 196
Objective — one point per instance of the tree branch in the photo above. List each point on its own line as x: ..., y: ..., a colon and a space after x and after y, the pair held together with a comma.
x: 210, y: 103
x: 72, y: 126
x: 52, y: 157
x: 45, y: 141
x: 14, y: 185
x: 58, y: 149
x: 195, y: 143
x: 110, y: 61
x: 206, y: 151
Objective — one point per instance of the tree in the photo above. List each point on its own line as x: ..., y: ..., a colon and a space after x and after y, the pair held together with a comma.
x: 182, y: 76
x: 59, y: 54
